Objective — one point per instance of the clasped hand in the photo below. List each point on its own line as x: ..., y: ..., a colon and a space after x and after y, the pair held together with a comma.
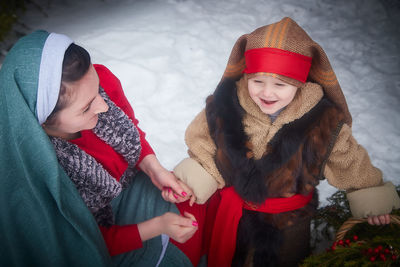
x: 379, y: 220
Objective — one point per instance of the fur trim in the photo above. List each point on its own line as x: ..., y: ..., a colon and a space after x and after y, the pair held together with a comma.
x: 292, y: 164
x: 298, y: 147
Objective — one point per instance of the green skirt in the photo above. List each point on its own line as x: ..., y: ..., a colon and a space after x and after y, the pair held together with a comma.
x: 139, y: 202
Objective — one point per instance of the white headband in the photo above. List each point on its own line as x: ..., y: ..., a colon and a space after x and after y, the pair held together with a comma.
x: 50, y: 74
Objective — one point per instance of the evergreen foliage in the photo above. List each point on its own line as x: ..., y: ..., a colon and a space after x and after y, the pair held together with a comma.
x: 9, y: 15
x: 364, y: 245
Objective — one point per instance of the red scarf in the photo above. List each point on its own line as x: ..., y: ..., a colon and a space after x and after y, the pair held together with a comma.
x: 223, y: 239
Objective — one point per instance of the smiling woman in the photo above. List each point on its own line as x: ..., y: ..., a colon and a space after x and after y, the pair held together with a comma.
x: 77, y: 173
x: 78, y: 106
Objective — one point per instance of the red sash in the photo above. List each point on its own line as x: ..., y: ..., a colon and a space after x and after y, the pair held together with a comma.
x: 223, y: 239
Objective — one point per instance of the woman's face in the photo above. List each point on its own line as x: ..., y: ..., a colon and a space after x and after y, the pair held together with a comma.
x: 84, y: 103
x: 269, y: 93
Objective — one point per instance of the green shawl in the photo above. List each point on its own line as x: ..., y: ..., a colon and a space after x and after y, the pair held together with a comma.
x: 43, y: 220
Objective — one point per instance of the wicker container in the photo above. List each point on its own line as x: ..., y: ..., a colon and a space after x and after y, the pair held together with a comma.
x: 380, y: 250
x: 347, y: 225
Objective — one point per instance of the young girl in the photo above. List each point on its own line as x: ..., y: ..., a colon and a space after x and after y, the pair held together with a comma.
x: 48, y: 83
x: 275, y: 126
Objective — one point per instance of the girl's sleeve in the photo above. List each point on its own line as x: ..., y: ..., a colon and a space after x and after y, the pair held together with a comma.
x: 199, y: 171
x: 349, y: 165
x: 121, y: 239
x: 349, y: 168
x: 112, y: 86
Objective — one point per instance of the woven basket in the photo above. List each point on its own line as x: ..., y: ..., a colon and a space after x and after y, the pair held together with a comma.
x: 347, y: 225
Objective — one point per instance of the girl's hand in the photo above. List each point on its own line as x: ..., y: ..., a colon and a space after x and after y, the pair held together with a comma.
x: 180, y: 228
x: 379, y: 220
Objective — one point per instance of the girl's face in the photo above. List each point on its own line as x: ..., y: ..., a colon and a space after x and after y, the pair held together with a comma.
x: 83, y: 105
x: 269, y: 93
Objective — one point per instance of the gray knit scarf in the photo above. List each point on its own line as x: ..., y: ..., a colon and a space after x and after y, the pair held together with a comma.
x: 95, y: 185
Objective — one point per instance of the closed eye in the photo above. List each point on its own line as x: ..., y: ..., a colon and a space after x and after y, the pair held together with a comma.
x: 88, y: 105
x: 87, y: 109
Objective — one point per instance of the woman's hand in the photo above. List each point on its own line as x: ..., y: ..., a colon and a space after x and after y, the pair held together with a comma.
x: 179, y: 228
x: 379, y: 220
x: 169, y: 195
x: 172, y: 189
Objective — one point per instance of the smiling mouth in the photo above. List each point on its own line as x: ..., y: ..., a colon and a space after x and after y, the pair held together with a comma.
x: 268, y: 102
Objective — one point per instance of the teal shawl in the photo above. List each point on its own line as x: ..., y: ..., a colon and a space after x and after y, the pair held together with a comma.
x: 43, y: 220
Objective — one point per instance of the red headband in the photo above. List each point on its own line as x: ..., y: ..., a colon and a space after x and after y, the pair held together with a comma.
x: 278, y: 61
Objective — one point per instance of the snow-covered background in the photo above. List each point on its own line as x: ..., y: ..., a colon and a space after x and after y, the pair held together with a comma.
x: 170, y: 54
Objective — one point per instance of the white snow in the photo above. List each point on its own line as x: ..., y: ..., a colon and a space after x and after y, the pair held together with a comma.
x: 170, y: 54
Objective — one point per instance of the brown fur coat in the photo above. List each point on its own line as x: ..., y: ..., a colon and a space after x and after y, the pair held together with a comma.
x: 348, y: 166
x: 239, y: 146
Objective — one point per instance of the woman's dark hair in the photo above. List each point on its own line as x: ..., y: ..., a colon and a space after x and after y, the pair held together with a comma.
x: 76, y: 64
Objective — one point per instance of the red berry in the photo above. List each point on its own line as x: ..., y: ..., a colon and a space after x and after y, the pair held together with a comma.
x: 394, y: 257
x: 387, y: 251
x: 380, y: 247
x: 370, y: 251
x: 372, y: 259
x: 376, y: 250
x: 382, y: 257
x: 341, y: 242
x: 348, y: 241
x: 355, y: 238
x: 333, y: 247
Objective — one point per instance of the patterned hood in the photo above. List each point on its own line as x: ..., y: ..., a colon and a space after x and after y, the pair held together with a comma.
x: 289, y: 36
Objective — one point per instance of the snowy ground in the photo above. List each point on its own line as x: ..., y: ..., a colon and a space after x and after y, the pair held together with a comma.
x: 170, y: 54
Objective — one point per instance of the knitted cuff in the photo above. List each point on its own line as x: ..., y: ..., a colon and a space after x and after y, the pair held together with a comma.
x: 197, y: 178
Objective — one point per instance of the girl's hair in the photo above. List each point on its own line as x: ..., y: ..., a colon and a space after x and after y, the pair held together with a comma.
x: 76, y: 64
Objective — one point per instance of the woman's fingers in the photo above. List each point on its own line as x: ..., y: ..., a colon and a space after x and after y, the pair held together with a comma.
x: 178, y: 227
x: 187, y: 221
x: 168, y: 195
x: 191, y: 216
x: 182, y: 191
x: 186, y: 193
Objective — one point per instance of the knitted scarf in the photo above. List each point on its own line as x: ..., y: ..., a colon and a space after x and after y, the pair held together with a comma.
x: 95, y: 185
